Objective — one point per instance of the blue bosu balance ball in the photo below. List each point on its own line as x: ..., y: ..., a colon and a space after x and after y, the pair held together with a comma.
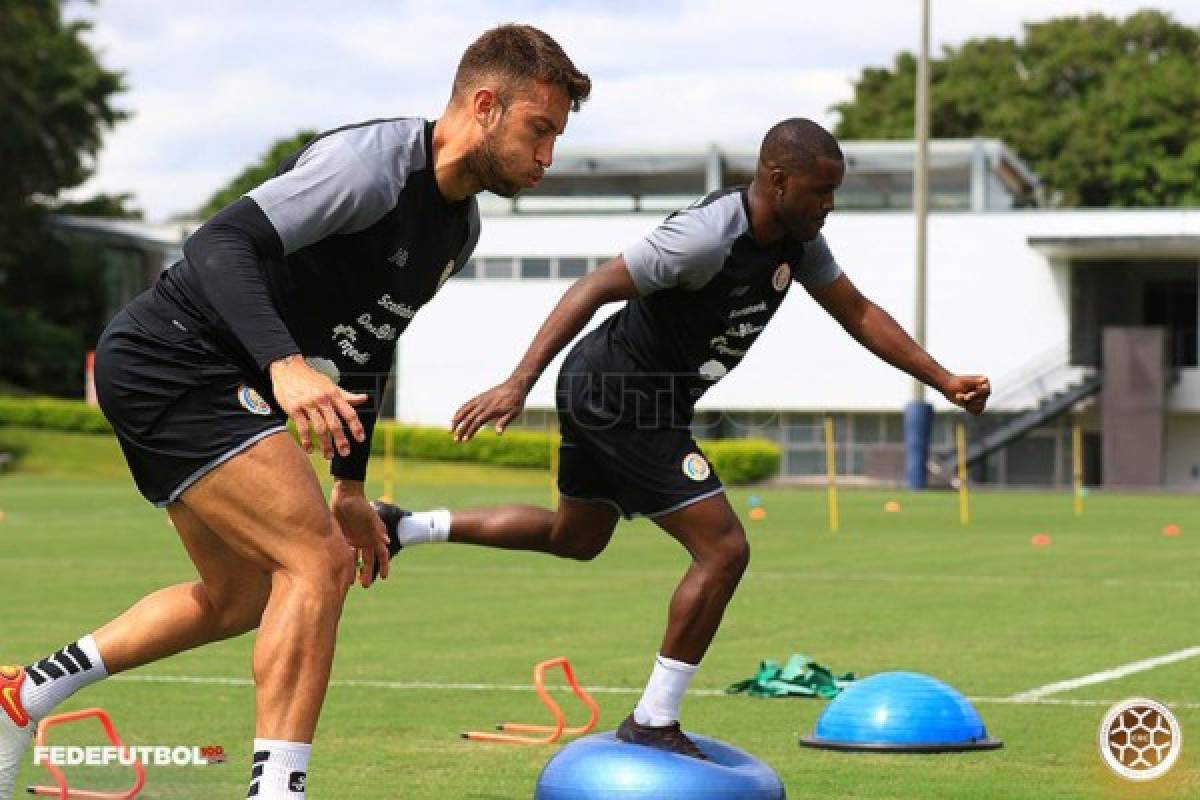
x: 601, y: 767
x: 900, y: 712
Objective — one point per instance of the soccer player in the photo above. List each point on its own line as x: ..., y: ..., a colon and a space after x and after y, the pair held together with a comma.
x: 308, y: 278
x: 699, y: 290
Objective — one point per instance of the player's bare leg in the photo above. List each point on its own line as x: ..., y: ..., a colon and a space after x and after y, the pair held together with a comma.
x: 578, y: 529
x: 714, y: 537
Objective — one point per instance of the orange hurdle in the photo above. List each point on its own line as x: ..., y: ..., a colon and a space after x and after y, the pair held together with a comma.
x: 552, y: 732
x: 62, y: 791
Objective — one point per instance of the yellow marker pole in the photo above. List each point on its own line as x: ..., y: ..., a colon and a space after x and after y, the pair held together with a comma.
x: 964, y: 499
x: 1077, y: 466
x: 389, y: 467
x: 831, y: 473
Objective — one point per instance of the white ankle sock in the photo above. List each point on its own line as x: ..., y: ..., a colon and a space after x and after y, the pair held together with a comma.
x: 280, y: 770
x: 664, y: 692
x: 59, y: 675
x: 422, y: 527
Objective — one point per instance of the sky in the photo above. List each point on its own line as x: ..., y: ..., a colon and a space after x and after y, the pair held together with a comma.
x: 212, y: 84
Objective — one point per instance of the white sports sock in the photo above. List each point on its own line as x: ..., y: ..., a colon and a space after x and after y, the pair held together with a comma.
x: 423, y: 527
x: 59, y: 675
x: 664, y: 692
x: 280, y: 770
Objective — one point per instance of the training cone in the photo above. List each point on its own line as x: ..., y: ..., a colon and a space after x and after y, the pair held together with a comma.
x: 900, y: 712
x: 601, y: 767
x: 758, y: 513
x: 1040, y: 540
x: 1172, y: 530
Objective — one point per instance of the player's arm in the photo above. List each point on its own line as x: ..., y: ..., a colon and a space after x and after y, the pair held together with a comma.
x: 329, y: 191
x: 877, y: 331
x: 610, y: 283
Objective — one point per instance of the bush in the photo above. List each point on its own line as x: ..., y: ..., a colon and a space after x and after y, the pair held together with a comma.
x: 743, y: 460
x: 52, y: 413
x: 735, y: 460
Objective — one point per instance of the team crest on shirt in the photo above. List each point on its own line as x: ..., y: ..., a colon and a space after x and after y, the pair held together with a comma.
x: 696, y: 467
x: 782, y: 276
x: 712, y: 370
x: 252, y: 401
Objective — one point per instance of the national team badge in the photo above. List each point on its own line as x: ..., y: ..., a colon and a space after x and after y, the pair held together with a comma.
x: 252, y: 401
x: 695, y: 467
x: 782, y: 276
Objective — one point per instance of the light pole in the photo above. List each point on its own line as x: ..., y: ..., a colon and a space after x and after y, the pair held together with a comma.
x: 918, y: 414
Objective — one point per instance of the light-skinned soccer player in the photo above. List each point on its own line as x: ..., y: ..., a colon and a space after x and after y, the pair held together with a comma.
x: 308, y: 279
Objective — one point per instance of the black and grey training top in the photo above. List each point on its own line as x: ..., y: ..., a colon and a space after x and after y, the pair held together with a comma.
x: 330, y: 258
x: 708, y: 289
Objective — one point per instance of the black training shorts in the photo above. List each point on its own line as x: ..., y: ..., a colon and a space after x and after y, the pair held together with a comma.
x: 179, y: 406
x: 620, y: 448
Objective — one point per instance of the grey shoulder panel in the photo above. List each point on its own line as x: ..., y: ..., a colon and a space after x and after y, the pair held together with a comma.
x: 344, y: 182
x: 818, y: 267
x: 689, y: 247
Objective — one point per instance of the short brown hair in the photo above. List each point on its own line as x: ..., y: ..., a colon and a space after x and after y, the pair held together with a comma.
x: 525, y: 53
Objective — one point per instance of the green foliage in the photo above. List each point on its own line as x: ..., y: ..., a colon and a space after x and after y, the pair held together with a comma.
x: 256, y: 173
x: 52, y: 414
x: 740, y: 461
x: 55, y: 97
x: 55, y: 106
x: 1104, y: 110
x: 735, y: 460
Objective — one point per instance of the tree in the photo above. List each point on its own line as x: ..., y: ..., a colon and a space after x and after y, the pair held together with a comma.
x: 256, y: 173
x: 55, y: 106
x: 1104, y: 110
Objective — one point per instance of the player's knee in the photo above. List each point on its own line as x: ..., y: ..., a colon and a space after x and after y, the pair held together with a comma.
x: 729, y: 553
x: 236, y: 609
x: 578, y: 543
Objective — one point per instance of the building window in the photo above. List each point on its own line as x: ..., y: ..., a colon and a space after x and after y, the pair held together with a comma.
x: 468, y: 270
x: 572, y: 267
x: 498, y: 268
x: 535, y: 268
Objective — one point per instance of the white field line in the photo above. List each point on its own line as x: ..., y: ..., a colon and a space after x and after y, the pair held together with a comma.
x: 210, y: 680
x: 1116, y: 673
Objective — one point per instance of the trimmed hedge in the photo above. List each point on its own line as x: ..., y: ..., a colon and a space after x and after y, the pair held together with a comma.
x: 735, y: 460
x: 52, y: 413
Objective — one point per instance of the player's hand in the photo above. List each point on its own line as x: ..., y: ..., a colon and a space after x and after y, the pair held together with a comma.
x: 968, y: 391
x: 317, y: 405
x: 501, y: 403
x: 362, y: 529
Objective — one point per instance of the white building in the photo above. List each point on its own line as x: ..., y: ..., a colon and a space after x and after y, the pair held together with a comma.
x: 1017, y: 292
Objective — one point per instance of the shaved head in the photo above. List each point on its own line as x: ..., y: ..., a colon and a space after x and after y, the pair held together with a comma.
x: 796, y: 144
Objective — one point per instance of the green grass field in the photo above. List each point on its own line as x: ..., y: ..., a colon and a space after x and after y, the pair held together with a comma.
x: 979, y: 608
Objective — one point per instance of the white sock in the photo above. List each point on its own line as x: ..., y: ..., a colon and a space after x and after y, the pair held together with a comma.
x: 59, y: 675
x: 422, y: 527
x: 664, y: 692
x: 280, y: 770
